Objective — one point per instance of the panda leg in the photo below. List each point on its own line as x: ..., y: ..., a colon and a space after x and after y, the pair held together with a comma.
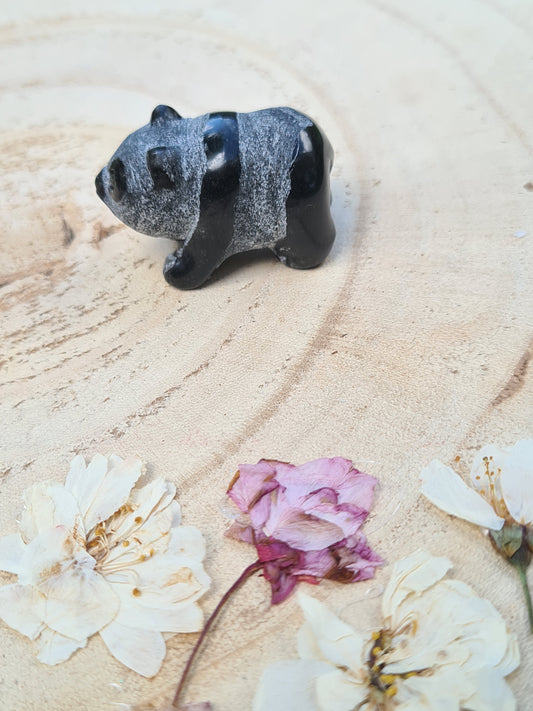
x: 310, y: 229
x: 181, y: 269
x: 193, y: 264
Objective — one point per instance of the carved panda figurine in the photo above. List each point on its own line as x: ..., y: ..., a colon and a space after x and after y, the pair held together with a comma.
x: 225, y: 183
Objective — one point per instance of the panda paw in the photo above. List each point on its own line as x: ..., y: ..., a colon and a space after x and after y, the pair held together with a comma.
x: 183, y: 271
x: 177, y: 267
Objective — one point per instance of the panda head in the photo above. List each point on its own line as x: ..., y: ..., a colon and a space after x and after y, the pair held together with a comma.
x: 140, y: 182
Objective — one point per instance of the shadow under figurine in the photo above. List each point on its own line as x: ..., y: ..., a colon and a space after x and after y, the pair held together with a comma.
x: 225, y: 183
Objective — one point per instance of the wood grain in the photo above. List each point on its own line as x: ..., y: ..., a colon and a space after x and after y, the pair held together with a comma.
x: 412, y: 342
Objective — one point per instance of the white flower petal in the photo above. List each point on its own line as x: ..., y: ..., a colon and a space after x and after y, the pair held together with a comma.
x: 176, y: 618
x: 517, y: 481
x: 163, y: 580
x: 286, y: 686
x: 491, y: 693
x: 12, y: 553
x: 427, y: 642
x: 49, y: 553
x: 511, y: 658
x: 338, y: 643
x: 147, y: 502
x: 181, y: 574
x: 444, y: 690
x: 187, y: 541
x: 144, y: 539
x: 308, y: 647
x: 452, y: 646
x: 83, y: 481
x: 444, y: 488
x: 47, y: 506
x: 155, y: 609
x: 338, y: 691
x: 153, y: 497
x: 484, y: 634
x: 143, y: 576
x: 415, y: 573
x: 114, y: 460
x: 492, y: 455
x: 55, y: 648
x: 445, y: 640
x: 113, y: 491
x: 413, y: 704
x: 140, y: 650
x: 79, y: 602
x: 452, y: 627
x: 22, y: 608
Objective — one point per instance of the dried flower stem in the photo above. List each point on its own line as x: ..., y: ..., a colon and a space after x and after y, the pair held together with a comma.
x: 247, y: 572
x: 521, y: 568
x: 512, y: 542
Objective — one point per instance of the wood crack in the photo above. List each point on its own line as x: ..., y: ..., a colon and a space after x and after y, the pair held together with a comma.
x: 517, y: 379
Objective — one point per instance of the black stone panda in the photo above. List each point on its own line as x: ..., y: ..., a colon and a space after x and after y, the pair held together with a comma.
x: 225, y: 183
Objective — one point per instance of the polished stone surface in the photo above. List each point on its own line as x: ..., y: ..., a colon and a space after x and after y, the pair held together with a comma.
x: 222, y: 184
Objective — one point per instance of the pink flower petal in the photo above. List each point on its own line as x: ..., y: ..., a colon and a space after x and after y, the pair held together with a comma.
x: 261, y: 511
x: 241, y: 533
x: 304, y: 521
x: 348, y: 517
x: 281, y: 582
x: 359, y: 488
x: 355, y: 560
x: 304, y: 479
x: 336, y: 473
x: 306, y: 533
x: 271, y: 550
x: 346, y: 562
x: 316, y: 564
x: 252, y: 481
x: 279, y: 560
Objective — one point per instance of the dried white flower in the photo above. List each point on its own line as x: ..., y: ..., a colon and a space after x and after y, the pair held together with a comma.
x: 439, y: 647
x: 499, y: 499
x: 500, y: 491
x: 98, y: 554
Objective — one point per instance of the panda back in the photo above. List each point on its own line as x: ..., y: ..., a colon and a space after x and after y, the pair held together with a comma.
x: 268, y: 141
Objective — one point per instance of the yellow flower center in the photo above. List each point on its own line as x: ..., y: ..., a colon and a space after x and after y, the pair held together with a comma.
x: 492, y: 489
x: 383, y: 686
x: 102, y: 540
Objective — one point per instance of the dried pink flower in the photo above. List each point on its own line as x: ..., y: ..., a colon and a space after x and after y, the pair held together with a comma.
x: 304, y: 521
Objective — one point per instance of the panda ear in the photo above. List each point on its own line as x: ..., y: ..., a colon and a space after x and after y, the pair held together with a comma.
x: 164, y: 113
x: 159, y: 165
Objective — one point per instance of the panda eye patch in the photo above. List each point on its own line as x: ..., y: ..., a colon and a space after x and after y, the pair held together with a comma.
x: 155, y: 160
x: 117, y: 180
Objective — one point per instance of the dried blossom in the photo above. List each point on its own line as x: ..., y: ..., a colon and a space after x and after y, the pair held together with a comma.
x: 99, y: 554
x: 439, y: 646
x: 304, y: 521
x: 499, y: 499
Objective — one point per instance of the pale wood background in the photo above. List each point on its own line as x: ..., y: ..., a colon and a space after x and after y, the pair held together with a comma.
x: 412, y: 342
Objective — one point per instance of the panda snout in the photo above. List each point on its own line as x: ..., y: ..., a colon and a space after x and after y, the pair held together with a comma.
x: 99, y: 185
